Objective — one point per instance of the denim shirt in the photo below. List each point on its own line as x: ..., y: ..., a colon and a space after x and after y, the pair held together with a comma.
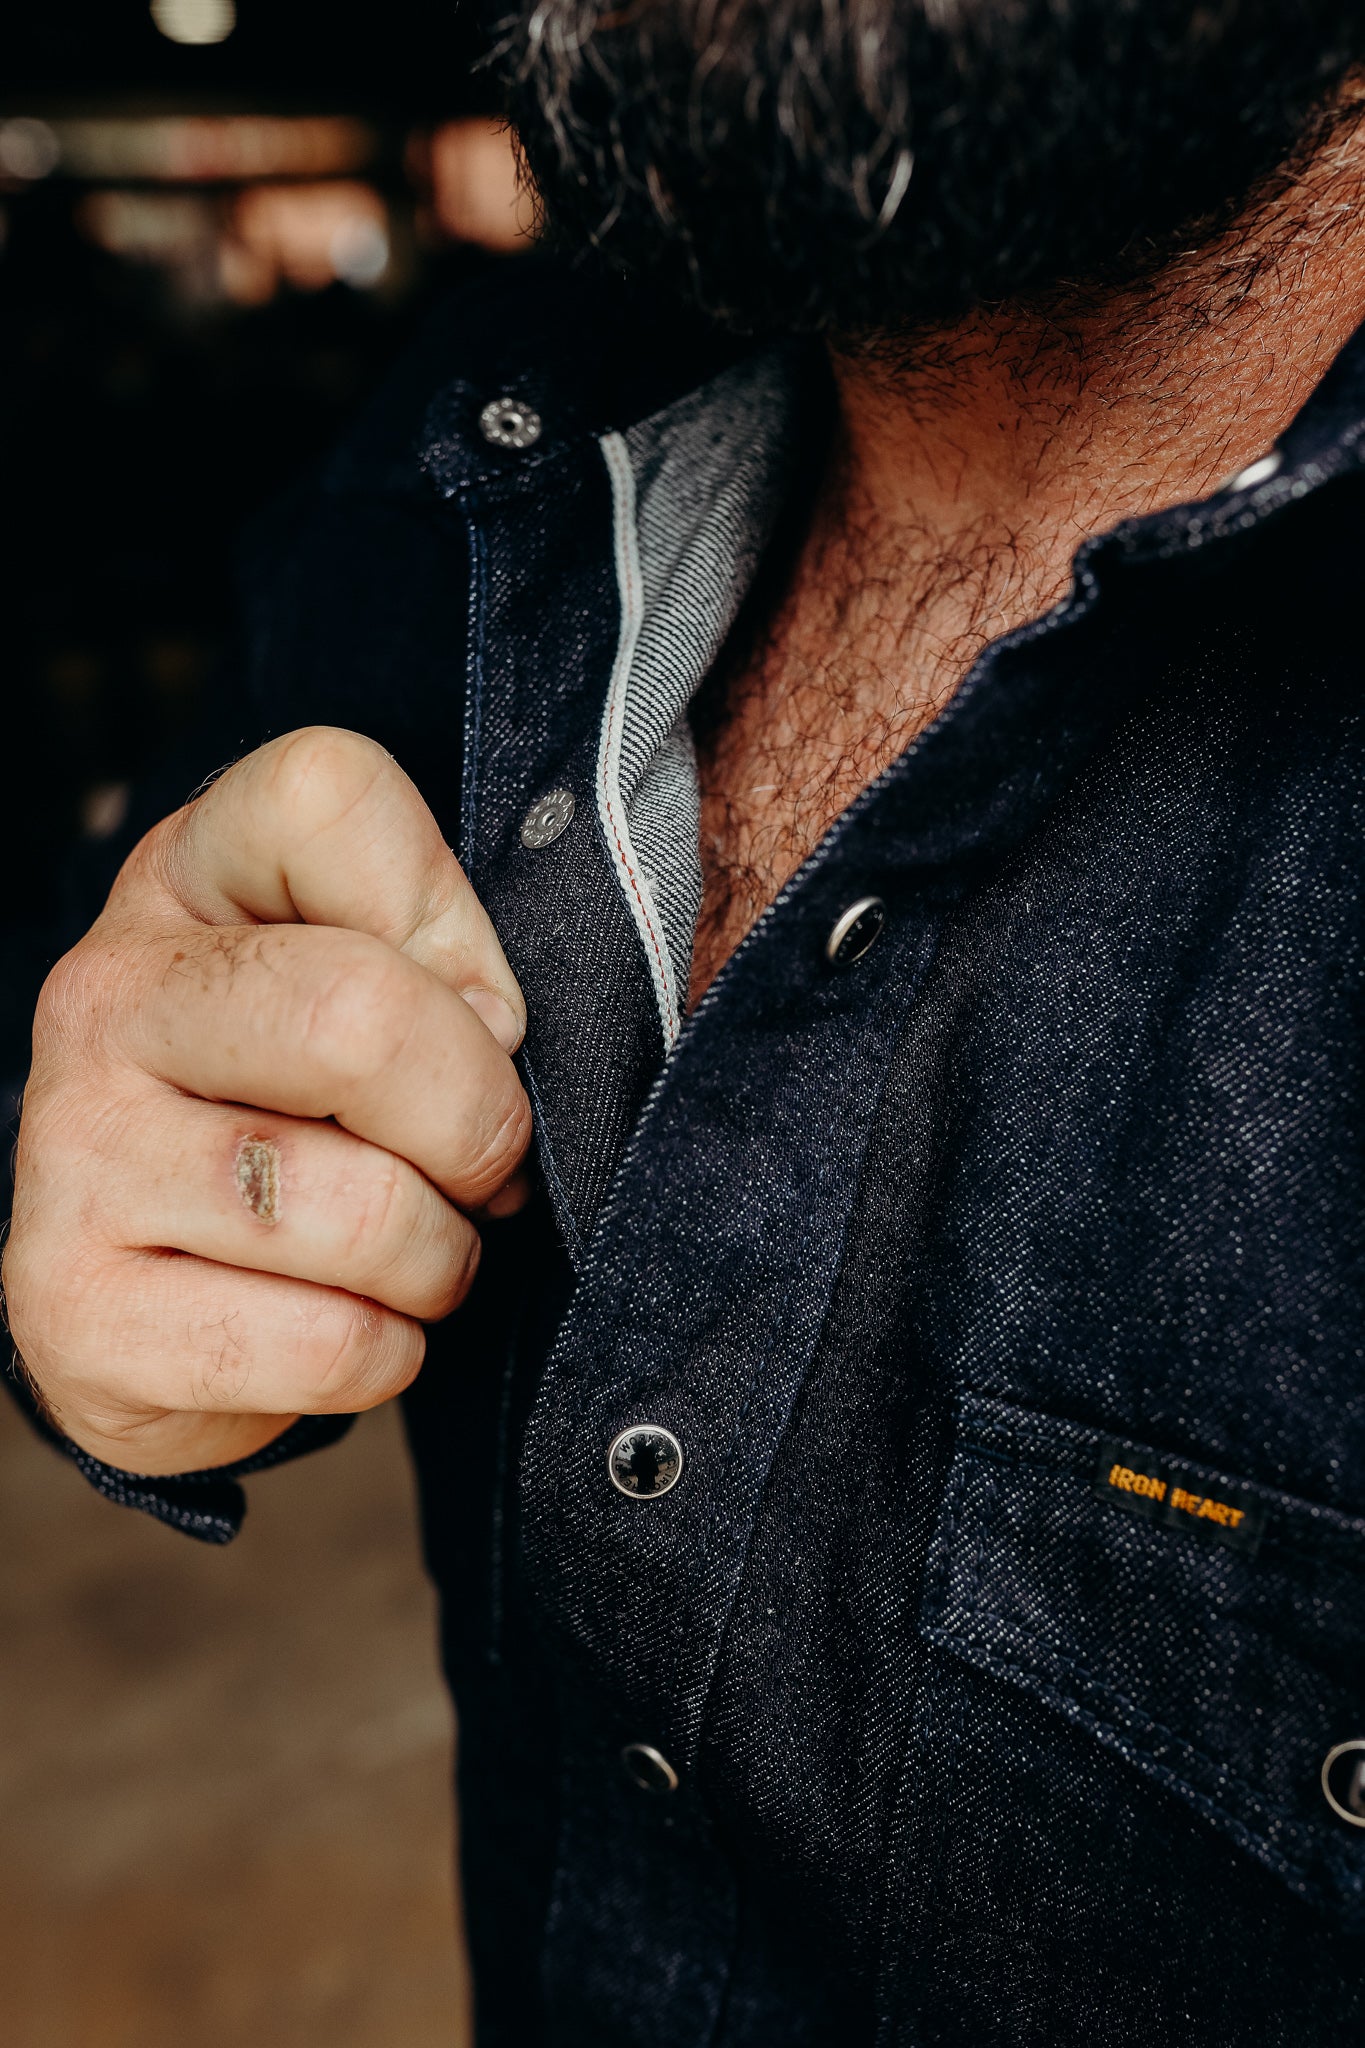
x: 991, y: 1283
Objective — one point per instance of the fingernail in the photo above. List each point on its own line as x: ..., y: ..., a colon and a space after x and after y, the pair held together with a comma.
x: 498, y: 1015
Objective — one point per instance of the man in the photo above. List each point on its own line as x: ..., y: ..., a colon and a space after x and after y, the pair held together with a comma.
x: 897, y: 1482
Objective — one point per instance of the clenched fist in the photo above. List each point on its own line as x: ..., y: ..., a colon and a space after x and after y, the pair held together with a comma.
x: 269, y: 1088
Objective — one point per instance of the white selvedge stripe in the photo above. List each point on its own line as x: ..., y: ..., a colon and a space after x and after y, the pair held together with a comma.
x: 610, y: 802
x: 695, y: 492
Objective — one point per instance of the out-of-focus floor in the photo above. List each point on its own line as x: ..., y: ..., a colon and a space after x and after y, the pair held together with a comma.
x: 225, y: 1815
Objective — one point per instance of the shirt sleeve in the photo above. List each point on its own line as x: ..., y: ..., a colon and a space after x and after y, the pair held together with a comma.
x: 209, y: 1505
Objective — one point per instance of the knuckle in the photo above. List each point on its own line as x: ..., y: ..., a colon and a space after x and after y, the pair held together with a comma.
x: 61, y: 996
x: 77, y: 993
x: 360, y: 1354
x: 317, y: 774
x: 500, y: 1145
x: 446, y: 1274
x: 71, y: 1171
x: 358, y: 1019
x: 113, y: 1435
x: 86, y: 1005
x: 464, y: 1265
x: 416, y: 1252
x: 33, y: 1304
x: 160, y: 861
x: 376, y: 1230
x: 57, y: 1309
x: 24, y: 1297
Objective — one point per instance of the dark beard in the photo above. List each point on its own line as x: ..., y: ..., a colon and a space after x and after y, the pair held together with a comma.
x: 884, y: 166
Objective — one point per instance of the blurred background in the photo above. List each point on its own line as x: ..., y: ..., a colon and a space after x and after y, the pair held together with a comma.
x: 224, y: 1776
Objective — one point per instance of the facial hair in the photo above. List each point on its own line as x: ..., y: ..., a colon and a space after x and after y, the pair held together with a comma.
x: 887, y: 166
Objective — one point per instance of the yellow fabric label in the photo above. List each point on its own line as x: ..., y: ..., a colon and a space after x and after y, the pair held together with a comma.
x: 1163, y: 1493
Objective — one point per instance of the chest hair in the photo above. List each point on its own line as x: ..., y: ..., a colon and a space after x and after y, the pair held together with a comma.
x: 818, y: 694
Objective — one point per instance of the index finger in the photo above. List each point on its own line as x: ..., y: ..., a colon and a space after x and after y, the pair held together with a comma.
x: 323, y: 827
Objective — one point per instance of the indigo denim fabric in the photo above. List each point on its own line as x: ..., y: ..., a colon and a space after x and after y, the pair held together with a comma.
x: 977, y: 1741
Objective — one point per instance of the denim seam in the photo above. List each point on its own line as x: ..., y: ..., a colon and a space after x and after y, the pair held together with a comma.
x: 1316, y: 1540
x: 474, y: 699
x: 1029, y: 1437
x: 683, y: 1630
x: 1148, y: 1723
x: 984, y: 1515
x: 568, y: 1221
x: 1251, y: 1839
x: 898, y: 1861
x: 474, y: 681
x: 683, y: 1623
x: 937, y: 1572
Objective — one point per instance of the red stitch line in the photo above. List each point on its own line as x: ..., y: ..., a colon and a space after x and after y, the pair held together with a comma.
x: 649, y: 927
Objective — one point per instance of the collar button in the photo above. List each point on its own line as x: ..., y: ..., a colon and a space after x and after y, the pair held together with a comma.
x: 1258, y: 472
x: 510, y: 423
x: 548, y: 818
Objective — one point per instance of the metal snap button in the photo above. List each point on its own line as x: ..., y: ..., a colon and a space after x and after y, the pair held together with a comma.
x: 510, y: 423
x: 1258, y: 472
x: 548, y: 817
x: 647, y: 1768
x: 645, y: 1461
x: 1343, y: 1781
x: 856, y: 932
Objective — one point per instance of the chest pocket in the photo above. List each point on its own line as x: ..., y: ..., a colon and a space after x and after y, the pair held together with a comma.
x: 1210, y: 1632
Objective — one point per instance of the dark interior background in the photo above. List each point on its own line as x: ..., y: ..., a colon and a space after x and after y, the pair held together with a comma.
x: 156, y: 387
x: 224, y: 1810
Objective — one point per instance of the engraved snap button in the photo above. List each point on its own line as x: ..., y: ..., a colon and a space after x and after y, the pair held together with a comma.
x: 645, y: 1461
x: 1343, y: 1781
x: 548, y: 816
x: 856, y: 932
x: 646, y: 1767
x: 510, y: 423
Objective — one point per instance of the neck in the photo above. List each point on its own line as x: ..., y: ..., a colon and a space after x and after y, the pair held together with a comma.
x: 961, y: 480
x: 1045, y: 427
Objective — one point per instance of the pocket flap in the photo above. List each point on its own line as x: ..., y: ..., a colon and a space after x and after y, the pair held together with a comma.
x: 1216, y: 1641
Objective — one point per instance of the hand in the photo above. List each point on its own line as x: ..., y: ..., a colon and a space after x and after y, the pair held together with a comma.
x: 269, y: 1088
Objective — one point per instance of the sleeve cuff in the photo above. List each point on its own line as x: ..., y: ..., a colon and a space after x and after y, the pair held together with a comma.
x: 208, y: 1505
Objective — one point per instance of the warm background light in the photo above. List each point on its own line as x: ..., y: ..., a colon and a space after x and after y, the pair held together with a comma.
x: 28, y: 149
x: 475, y: 193
x: 308, y: 236
x: 209, y: 148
